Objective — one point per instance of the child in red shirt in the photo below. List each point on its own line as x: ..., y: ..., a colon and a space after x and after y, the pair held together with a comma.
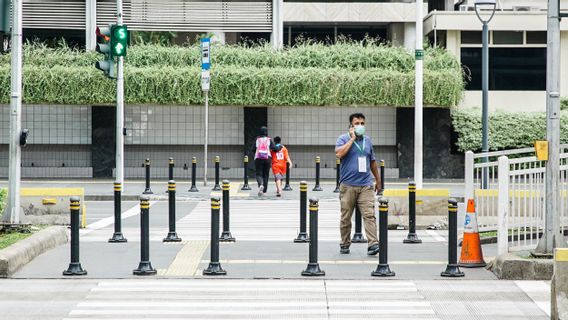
x: 279, y: 159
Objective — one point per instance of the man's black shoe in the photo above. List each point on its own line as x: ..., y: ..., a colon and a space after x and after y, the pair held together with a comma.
x: 373, y: 250
x: 344, y: 250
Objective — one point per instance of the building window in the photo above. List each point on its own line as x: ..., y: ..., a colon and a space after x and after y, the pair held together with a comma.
x: 507, y: 37
x: 509, y: 68
x: 536, y: 37
x: 471, y: 37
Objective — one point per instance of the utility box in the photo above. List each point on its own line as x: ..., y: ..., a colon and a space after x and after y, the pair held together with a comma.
x: 541, y: 150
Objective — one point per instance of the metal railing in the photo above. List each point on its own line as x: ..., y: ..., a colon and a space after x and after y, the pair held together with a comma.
x: 514, y: 195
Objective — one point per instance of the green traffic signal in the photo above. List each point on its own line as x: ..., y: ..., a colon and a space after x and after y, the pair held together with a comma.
x: 119, y: 40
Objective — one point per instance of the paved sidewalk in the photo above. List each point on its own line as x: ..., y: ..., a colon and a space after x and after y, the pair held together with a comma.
x: 264, y: 249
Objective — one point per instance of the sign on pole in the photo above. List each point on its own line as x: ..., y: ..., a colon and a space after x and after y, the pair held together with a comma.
x: 205, y: 50
x: 205, y: 83
x: 205, y: 64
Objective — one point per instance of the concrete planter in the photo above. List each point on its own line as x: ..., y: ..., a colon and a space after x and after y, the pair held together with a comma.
x: 513, y: 267
x: 24, y: 251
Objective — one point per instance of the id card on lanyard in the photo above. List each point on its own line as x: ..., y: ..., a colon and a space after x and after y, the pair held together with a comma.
x: 362, y: 159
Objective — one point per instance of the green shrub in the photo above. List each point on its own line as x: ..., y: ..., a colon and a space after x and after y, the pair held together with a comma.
x: 3, y: 194
x: 564, y: 104
x: 307, y: 74
x: 352, y: 56
x: 235, y: 86
x: 507, y: 130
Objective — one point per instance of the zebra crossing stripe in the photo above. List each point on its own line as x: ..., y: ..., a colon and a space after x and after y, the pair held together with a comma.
x: 249, y: 299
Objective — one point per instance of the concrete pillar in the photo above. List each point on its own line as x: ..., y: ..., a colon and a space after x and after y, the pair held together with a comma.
x: 409, y: 36
x: 559, y: 285
x: 217, y: 36
x: 396, y: 33
x: 90, y: 24
x: 231, y: 38
x: 453, y: 40
x: 277, y: 37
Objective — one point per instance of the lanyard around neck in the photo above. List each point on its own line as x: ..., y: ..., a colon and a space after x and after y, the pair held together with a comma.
x: 361, y: 149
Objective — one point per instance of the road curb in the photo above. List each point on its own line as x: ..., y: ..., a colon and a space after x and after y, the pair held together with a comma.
x: 24, y: 251
x: 513, y: 267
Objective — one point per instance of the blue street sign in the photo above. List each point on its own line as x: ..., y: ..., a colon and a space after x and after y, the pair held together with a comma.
x: 205, y: 52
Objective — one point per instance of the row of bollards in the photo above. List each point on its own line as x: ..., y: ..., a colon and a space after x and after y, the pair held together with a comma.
x: 217, y: 187
x: 312, y: 269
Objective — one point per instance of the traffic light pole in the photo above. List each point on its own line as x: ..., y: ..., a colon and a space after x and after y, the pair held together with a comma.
x: 120, y: 108
x: 12, y: 215
x: 550, y: 237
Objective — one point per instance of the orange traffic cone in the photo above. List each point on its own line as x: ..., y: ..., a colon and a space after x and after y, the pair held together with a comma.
x: 471, y: 254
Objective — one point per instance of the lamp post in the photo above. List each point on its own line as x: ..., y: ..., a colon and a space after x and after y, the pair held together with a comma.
x: 485, y: 5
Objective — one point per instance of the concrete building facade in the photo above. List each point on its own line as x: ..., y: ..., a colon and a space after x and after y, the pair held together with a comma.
x: 78, y: 141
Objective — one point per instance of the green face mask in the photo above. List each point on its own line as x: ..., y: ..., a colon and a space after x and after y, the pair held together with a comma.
x: 359, y: 130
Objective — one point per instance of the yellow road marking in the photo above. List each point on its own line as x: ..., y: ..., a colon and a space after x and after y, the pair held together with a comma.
x: 187, y: 259
x: 419, y: 193
x: 51, y: 192
x: 561, y: 254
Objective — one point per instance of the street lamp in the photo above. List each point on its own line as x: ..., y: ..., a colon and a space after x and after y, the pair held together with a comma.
x: 489, y: 6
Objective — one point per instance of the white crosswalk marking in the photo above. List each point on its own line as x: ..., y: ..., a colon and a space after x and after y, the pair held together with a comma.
x: 253, y: 299
x: 259, y: 220
x: 254, y: 220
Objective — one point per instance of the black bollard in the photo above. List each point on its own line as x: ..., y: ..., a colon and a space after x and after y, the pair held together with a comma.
x: 358, y: 235
x: 412, y: 237
x: 317, y: 187
x: 193, y: 175
x: 383, y: 269
x: 214, y: 268
x: 117, y: 236
x: 217, y: 187
x: 313, y: 268
x: 147, y: 166
x: 337, y: 174
x: 303, y: 235
x: 452, y: 269
x: 75, y: 268
x: 245, y: 177
x: 382, y: 173
x: 226, y: 234
x: 287, y: 185
x: 145, y: 266
x: 171, y: 168
x: 172, y: 234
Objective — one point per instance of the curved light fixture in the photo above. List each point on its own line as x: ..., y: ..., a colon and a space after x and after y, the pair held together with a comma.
x: 485, y: 5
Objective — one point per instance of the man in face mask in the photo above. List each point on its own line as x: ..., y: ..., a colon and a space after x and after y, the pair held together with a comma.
x: 356, y: 185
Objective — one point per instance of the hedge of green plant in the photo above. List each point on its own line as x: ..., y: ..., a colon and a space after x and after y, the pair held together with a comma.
x: 311, y: 74
x: 234, y: 86
x: 350, y: 56
x: 3, y: 194
x: 507, y: 130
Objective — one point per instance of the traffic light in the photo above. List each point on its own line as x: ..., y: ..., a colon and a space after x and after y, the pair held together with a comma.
x: 24, y: 137
x: 103, y: 46
x: 5, y: 16
x: 118, y: 40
